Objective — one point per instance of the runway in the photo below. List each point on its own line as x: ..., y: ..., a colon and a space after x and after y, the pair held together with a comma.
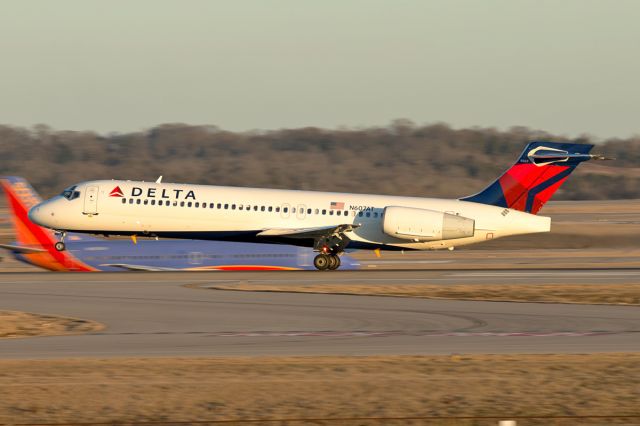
x: 173, y: 314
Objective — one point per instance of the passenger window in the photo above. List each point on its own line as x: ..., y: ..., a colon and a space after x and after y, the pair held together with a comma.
x: 233, y: 206
x: 262, y: 208
x: 277, y: 209
x: 189, y: 204
x: 196, y: 204
x: 316, y: 211
x: 240, y: 207
x: 146, y: 202
x: 270, y: 208
x: 211, y: 205
x: 220, y: 205
x: 255, y: 208
x: 130, y: 200
x: 226, y: 206
x: 138, y: 201
x: 368, y: 214
x: 124, y: 200
x: 375, y: 214
x: 159, y: 202
x: 285, y: 210
x: 175, y: 204
x: 153, y: 202
x: 248, y: 207
x: 360, y: 213
x: 308, y: 211
x: 324, y: 211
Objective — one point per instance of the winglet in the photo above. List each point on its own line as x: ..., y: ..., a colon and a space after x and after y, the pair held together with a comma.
x: 159, y: 180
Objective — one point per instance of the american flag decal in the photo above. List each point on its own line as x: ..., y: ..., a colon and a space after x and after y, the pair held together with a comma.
x: 336, y: 205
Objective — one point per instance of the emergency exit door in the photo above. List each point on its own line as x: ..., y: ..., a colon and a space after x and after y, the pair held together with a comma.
x: 91, y: 200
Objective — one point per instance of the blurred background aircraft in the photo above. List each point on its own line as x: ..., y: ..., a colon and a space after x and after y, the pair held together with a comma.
x: 35, y: 245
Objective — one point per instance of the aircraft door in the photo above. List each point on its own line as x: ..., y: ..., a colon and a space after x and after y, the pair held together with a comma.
x: 91, y: 201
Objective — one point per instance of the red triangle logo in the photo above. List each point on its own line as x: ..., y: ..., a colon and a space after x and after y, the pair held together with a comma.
x: 116, y: 192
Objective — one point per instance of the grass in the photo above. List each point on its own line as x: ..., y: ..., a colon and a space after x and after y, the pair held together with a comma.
x: 174, y: 389
x: 15, y: 324
x: 613, y: 294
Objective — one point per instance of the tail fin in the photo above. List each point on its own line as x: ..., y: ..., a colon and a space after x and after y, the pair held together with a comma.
x: 20, y: 198
x: 35, y: 243
x: 539, y: 172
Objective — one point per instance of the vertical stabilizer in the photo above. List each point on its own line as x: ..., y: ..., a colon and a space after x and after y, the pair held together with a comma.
x: 539, y: 172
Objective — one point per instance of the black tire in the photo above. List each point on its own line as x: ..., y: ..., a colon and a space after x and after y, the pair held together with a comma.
x: 334, y: 263
x: 60, y: 246
x: 321, y: 262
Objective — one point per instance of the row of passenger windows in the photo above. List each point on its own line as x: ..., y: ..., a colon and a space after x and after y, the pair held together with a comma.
x: 227, y: 206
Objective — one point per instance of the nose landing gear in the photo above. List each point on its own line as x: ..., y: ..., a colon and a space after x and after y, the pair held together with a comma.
x: 60, y: 245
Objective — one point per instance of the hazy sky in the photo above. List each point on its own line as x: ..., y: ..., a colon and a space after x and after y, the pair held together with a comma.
x: 566, y: 66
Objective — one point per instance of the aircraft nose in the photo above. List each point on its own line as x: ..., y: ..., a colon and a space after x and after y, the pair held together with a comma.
x: 41, y: 214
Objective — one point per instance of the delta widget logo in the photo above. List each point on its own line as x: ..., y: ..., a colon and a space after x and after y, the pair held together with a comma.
x: 116, y: 192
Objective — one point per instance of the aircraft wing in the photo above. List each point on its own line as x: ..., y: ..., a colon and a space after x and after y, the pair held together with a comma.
x: 143, y: 268
x: 318, y: 232
x: 22, y: 249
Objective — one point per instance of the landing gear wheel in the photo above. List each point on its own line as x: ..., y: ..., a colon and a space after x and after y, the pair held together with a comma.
x: 334, y: 262
x: 321, y: 262
x: 60, y: 246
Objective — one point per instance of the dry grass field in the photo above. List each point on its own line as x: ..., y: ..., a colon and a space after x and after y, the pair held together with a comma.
x: 610, y: 294
x: 198, y: 389
x: 23, y: 324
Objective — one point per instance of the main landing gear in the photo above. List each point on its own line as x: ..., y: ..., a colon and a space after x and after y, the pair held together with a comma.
x: 326, y: 262
x: 328, y: 259
x: 329, y: 248
x: 60, y: 245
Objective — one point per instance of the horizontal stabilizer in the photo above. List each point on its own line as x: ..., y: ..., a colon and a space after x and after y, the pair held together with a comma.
x: 143, y: 268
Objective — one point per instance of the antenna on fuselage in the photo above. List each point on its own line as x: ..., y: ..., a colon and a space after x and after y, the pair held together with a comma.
x: 159, y: 180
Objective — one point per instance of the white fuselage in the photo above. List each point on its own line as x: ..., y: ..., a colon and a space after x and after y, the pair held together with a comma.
x: 176, y: 210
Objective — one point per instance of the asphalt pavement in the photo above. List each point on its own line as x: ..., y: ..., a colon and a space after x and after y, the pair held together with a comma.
x: 174, y: 314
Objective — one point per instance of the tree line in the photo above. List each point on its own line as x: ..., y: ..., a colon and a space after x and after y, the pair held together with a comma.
x: 402, y: 158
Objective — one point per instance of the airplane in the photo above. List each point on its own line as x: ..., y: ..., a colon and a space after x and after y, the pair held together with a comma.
x: 35, y: 246
x: 328, y: 222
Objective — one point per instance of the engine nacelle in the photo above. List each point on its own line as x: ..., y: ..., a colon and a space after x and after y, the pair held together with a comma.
x: 425, y: 225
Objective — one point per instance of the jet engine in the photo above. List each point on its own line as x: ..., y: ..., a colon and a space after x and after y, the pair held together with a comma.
x: 425, y: 225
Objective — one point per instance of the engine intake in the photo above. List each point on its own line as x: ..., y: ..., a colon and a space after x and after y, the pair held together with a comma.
x: 425, y: 225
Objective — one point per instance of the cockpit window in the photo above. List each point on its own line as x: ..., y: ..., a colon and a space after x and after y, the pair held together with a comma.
x: 71, y: 193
